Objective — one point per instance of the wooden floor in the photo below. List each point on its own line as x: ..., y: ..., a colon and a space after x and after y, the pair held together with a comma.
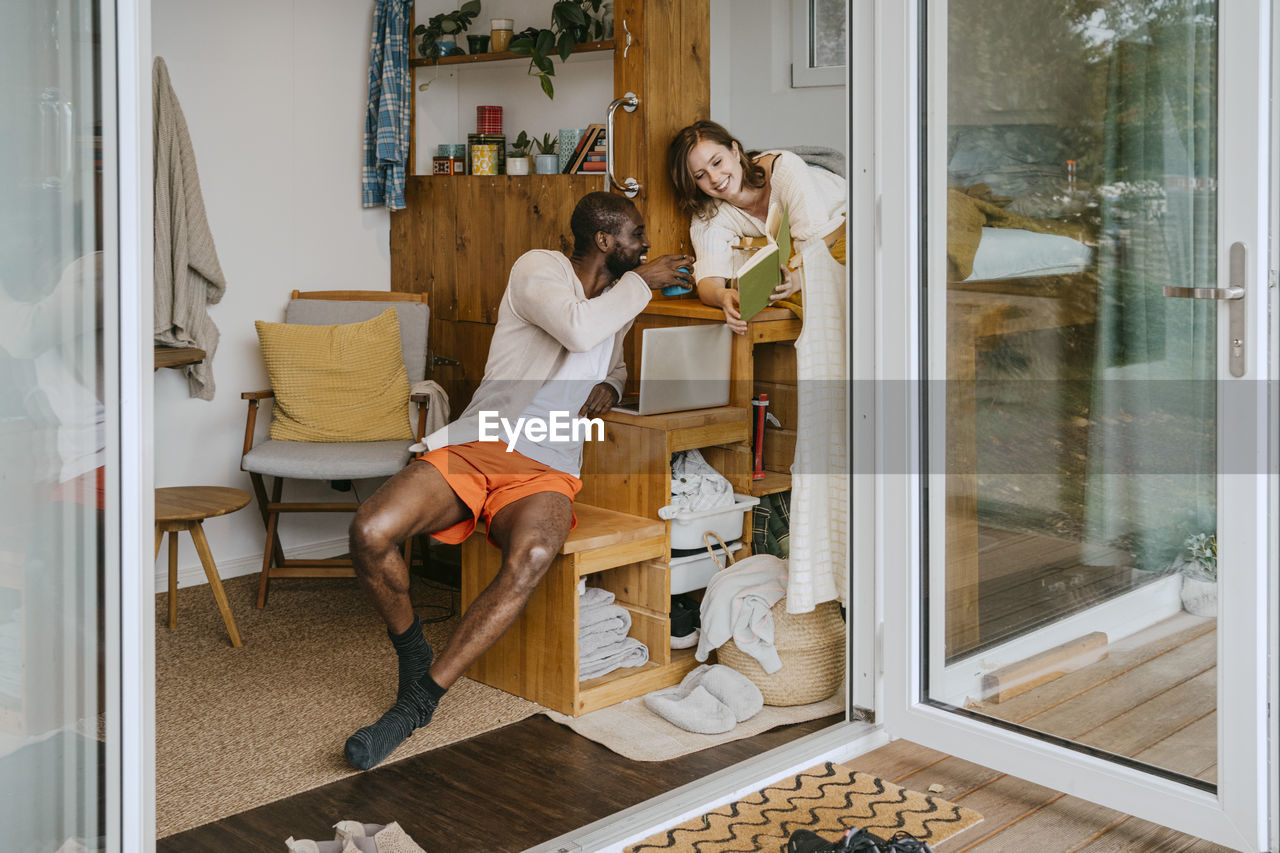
x: 1018, y: 816
x: 505, y: 790
x: 1153, y: 698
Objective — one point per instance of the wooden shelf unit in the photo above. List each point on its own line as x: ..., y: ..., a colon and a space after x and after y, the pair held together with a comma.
x: 537, y: 658
x: 502, y: 56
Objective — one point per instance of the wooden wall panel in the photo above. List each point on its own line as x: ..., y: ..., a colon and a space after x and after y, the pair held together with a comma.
x: 436, y: 243
x: 481, y: 275
x: 672, y: 94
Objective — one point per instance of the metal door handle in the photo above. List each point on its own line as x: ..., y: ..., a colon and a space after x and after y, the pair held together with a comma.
x: 1234, y: 293
x: 630, y: 187
x: 1204, y: 292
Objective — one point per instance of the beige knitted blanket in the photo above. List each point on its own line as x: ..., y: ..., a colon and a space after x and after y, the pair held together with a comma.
x: 188, y: 277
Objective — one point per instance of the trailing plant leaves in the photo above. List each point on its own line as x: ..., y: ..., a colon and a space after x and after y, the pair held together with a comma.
x: 523, y: 47
x: 546, y: 42
x: 572, y: 13
x: 548, y: 88
x: 544, y: 64
x: 566, y: 45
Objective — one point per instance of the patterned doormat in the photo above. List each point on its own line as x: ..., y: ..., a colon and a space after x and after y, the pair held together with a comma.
x: 826, y: 799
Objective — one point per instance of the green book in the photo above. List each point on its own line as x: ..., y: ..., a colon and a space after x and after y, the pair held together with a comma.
x: 760, y: 275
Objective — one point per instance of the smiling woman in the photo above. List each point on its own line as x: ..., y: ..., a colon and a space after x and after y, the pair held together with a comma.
x: 728, y: 192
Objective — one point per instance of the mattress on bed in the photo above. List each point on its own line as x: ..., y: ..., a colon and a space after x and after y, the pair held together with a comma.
x: 1014, y: 253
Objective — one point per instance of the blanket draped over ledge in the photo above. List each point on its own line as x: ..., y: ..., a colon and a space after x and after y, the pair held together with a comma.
x: 188, y: 277
x: 971, y: 208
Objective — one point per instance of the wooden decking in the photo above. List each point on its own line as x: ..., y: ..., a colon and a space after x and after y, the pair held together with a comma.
x: 1017, y: 815
x: 1027, y: 580
x: 1153, y: 698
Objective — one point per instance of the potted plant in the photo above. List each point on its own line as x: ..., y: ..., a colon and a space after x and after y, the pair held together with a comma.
x: 546, y: 161
x: 439, y: 36
x: 518, y: 157
x: 573, y: 22
x: 1200, y: 575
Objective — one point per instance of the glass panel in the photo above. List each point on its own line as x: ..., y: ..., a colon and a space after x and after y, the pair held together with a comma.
x: 1079, y: 409
x: 827, y: 33
x: 52, y: 452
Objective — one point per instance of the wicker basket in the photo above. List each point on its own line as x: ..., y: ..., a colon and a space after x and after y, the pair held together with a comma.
x: 811, y: 647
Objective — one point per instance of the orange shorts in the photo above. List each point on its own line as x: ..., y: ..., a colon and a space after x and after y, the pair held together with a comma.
x: 487, y: 478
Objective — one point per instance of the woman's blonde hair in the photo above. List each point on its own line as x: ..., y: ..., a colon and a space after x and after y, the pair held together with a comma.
x: 692, y: 200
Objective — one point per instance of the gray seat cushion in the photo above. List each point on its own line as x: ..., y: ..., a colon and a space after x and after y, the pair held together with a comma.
x: 337, y: 460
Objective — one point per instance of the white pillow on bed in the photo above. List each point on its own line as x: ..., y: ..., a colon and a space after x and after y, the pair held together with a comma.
x: 1014, y: 253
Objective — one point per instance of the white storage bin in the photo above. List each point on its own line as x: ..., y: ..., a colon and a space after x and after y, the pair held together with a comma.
x: 725, y: 521
x: 695, y: 570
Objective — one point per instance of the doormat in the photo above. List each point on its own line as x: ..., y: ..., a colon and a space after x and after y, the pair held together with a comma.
x: 826, y: 799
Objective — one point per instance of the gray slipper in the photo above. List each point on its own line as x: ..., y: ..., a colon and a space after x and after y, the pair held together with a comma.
x: 698, y: 711
x: 733, y: 689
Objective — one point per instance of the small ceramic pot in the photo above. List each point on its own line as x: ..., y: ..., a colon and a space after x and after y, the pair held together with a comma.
x: 1200, y: 597
x: 517, y: 165
x: 546, y: 164
x: 568, y: 144
x: 477, y: 43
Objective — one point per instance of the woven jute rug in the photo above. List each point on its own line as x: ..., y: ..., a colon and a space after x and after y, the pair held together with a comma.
x: 826, y: 799
x: 238, y: 728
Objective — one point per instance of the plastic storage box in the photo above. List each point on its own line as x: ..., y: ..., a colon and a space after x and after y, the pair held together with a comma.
x: 695, y: 571
x: 725, y: 521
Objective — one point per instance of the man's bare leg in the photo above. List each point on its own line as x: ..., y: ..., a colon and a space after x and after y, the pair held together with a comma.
x: 530, y: 533
x: 416, y: 500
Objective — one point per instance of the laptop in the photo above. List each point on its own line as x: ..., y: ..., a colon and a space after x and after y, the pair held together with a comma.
x: 682, y: 368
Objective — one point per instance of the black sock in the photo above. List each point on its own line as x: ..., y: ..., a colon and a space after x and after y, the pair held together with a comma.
x: 416, y: 698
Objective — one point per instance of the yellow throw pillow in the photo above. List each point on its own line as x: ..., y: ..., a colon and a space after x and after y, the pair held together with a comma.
x: 337, y: 383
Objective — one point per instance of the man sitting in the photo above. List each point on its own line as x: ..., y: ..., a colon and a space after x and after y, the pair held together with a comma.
x: 557, y: 348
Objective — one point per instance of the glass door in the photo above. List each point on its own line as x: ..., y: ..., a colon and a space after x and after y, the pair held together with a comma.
x: 1087, y: 216
x: 56, y: 401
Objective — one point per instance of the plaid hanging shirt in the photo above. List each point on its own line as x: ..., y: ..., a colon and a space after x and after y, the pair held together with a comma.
x: 386, y: 127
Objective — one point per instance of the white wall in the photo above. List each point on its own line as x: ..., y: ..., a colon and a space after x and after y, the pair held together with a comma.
x: 274, y: 96
x: 751, y: 90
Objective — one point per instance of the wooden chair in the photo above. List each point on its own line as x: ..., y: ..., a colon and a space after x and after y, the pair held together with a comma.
x: 336, y: 462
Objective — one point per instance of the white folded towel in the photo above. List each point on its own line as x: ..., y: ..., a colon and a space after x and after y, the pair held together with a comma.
x: 629, y: 652
x: 594, y: 597
x: 590, y: 620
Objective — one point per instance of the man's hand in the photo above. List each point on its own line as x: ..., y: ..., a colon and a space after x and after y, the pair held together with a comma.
x: 667, y: 270
x: 601, y: 399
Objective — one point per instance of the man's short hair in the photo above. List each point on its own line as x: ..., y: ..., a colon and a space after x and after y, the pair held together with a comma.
x: 598, y: 211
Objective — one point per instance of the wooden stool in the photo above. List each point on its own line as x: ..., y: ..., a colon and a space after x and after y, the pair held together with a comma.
x: 184, y: 508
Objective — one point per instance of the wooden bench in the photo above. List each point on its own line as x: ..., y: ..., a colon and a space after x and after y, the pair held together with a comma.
x: 537, y: 658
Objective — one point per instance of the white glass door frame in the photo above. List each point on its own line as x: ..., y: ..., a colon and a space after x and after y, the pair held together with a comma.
x: 127, y: 47
x: 1237, y: 814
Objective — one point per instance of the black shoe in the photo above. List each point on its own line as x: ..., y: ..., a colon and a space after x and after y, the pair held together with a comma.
x: 684, y: 615
x: 853, y: 841
x: 905, y: 842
